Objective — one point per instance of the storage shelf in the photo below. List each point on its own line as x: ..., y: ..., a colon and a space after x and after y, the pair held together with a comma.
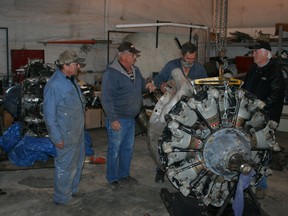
x: 247, y: 44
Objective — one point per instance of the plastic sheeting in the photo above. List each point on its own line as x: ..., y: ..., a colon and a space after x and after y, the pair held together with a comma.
x: 30, y: 149
x: 11, y: 137
x: 24, y: 151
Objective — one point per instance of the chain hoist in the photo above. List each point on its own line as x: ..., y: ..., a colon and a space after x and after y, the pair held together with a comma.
x: 221, y: 18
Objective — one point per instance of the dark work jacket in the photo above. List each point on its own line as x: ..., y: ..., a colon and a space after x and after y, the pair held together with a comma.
x: 267, y: 84
x: 121, y: 96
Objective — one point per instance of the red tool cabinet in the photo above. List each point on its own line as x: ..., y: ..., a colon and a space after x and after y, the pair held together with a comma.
x: 20, y: 58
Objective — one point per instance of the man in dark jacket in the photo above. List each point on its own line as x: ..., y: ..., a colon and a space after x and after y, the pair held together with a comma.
x: 122, y: 88
x: 265, y: 80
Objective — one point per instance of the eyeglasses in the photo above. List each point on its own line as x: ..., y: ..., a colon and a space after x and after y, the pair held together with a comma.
x: 256, y: 50
x: 131, y: 54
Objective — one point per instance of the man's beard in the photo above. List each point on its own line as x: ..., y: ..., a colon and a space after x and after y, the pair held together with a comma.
x: 186, y: 64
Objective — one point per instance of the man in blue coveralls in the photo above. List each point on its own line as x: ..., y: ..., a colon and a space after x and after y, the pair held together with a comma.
x: 188, y: 64
x: 64, y: 110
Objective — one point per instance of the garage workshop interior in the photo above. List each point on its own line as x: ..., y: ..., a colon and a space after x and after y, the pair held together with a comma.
x: 213, y: 143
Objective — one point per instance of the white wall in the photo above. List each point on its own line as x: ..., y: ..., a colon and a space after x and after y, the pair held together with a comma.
x: 33, y: 21
x: 152, y: 59
x: 256, y: 13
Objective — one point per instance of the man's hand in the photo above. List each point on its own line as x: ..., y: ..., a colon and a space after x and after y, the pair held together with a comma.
x: 115, y: 125
x: 60, y: 145
x: 163, y: 87
x: 151, y: 87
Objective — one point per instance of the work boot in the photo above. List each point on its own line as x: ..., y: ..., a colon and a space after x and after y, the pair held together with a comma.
x: 78, y: 194
x: 115, y: 185
x: 73, y: 202
x: 160, y: 175
x: 2, y: 192
x: 128, y: 180
x: 260, y: 193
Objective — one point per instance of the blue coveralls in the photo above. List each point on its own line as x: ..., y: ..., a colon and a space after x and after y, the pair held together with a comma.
x: 63, y: 110
x: 197, y: 71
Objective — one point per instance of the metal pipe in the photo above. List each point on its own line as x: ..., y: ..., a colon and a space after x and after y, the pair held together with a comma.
x: 178, y: 42
x: 157, y: 34
x: 92, y: 41
x: 280, y: 37
x: 7, y: 51
x: 108, y: 47
x: 161, y: 24
x: 190, y: 35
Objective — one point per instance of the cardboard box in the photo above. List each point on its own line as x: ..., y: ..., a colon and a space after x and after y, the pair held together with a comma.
x: 93, y: 118
x: 103, y: 119
x: 7, y: 119
x: 97, y: 94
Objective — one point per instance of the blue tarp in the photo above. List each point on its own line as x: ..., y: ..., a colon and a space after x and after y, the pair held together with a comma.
x: 11, y: 137
x: 30, y: 149
x: 24, y: 151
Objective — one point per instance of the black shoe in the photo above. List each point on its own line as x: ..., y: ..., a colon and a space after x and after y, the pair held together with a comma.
x: 260, y: 193
x: 159, y: 178
x: 73, y: 202
x: 115, y: 185
x: 128, y: 180
x: 78, y: 194
x: 2, y: 192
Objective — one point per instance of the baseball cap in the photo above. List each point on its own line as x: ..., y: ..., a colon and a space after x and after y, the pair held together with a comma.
x: 68, y: 57
x: 127, y: 46
x: 261, y: 44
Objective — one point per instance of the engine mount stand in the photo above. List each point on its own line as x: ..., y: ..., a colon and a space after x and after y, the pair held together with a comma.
x: 179, y: 205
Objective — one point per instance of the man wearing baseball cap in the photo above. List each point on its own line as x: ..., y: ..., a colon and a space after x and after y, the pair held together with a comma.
x: 64, y: 109
x: 265, y: 80
x: 68, y: 57
x: 261, y: 44
x: 122, y: 88
x: 127, y: 47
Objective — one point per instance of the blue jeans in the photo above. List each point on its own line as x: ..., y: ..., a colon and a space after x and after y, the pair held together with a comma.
x: 263, y: 183
x: 120, y: 149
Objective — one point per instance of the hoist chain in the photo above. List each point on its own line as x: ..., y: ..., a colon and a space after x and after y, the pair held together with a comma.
x: 221, y: 18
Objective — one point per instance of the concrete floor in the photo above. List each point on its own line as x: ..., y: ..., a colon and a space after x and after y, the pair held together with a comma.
x: 29, y: 192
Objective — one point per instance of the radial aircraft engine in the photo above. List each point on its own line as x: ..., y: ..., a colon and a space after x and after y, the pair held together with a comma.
x: 206, y: 133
